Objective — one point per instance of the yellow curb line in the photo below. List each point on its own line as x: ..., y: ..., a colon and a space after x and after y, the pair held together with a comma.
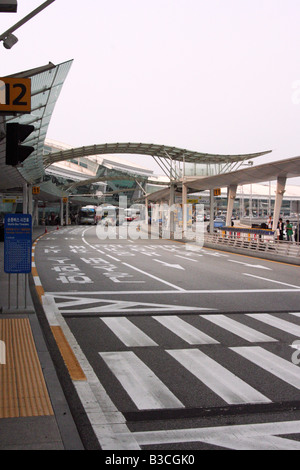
x: 71, y: 362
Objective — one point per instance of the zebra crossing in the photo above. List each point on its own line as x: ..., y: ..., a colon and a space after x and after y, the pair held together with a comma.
x: 193, y: 363
x: 222, y: 370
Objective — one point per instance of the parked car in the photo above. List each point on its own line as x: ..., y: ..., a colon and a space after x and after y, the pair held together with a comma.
x: 219, y: 222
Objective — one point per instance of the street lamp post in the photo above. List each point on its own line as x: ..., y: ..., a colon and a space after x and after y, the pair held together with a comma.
x: 9, y: 40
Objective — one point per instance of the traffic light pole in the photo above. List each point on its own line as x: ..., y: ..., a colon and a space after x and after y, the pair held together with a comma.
x: 25, y: 199
x: 29, y: 208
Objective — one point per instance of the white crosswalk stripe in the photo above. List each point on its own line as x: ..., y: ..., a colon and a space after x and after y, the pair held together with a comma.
x: 279, y: 367
x: 245, y: 332
x: 271, y: 320
x: 219, y: 379
x: 296, y: 314
x: 127, y: 332
x: 184, y: 330
x: 147, y: 389
x: 144, y: 388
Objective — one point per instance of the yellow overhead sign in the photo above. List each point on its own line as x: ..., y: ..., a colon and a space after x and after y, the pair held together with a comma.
x: 15, y: 95
x: 7, y: 200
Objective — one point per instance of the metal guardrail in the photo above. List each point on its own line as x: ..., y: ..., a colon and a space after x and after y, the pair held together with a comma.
x: 261, y: 243
x: 278, y: 248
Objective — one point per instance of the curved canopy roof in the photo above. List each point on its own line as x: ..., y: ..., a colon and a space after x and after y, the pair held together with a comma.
x: 289, y: 168
x: 154, y: 150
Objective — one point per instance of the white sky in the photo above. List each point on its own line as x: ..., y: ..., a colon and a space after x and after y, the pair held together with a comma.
x: 216, y: 76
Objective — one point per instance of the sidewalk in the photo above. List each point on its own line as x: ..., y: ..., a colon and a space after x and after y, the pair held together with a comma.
x: 34, y: 412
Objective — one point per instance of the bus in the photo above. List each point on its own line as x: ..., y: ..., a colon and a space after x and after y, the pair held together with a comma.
x: 109, y: 215
x: 87, y: 215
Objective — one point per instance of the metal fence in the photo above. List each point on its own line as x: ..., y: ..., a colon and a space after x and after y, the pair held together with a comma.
x: 268, y: 247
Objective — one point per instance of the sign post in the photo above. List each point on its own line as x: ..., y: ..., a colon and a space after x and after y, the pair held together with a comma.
x: 17, y: 248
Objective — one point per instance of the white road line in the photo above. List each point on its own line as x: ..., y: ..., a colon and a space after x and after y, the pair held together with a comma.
x: 211, y: 435
x: 271, y: 280
x: 136, y: 269
x: 187, y: 259
x: 177, y: 291
x: 220, y: 380
x: 258, y: 266
x: 111, y: 306
x: 281, y: 368
x: 155, y: 277
x: 127, y: 332
x: 112, y: 257
x: 255, y: 443
x: 184, y: 330
x: 91, y: 246
x: 145, y: 389
x: 108, y: 423
x: 50, y: 309
x: 243, y: 331
x: 284, y: 325
x: 169, y: 265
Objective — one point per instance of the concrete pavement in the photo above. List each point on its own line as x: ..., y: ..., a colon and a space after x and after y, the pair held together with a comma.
x: 38, y: 406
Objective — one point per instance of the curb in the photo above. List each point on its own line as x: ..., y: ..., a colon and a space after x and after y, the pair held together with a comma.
x: 86, y: 439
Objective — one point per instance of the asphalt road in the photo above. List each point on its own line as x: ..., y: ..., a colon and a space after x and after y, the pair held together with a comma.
x: 184, y: 343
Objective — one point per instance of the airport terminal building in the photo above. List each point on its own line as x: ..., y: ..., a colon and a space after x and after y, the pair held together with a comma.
x: 101, y: 179
x: 55, y: 180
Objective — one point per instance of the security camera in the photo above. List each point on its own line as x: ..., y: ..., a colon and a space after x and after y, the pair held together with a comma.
x: 10, y: 41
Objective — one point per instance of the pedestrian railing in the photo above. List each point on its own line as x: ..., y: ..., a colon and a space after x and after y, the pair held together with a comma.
x: 267, y: 245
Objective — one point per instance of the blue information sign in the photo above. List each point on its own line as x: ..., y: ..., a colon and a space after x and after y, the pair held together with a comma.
x: 17, y: 243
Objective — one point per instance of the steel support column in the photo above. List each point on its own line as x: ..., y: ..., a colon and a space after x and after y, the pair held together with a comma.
x: 231, y: 195
x: 212, y: 211
x: 184, y: 209
x: 280, y: 190
x: 171, y: 210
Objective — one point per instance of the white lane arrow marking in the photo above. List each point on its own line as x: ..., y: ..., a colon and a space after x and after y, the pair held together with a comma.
x: 259, y: 266
x: 175, y: 266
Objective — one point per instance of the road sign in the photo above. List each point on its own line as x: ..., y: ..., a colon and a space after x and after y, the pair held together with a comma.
x: 35, y: 190
x: 17, y: 243
x: 217, y: 192
x: 9, y: 200
x: 15, y: 95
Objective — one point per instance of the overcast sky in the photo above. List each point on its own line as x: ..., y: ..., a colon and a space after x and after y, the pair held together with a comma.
x: 215, y: 76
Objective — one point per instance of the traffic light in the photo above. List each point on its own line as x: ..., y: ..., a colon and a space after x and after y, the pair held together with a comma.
x: 15, y: 135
